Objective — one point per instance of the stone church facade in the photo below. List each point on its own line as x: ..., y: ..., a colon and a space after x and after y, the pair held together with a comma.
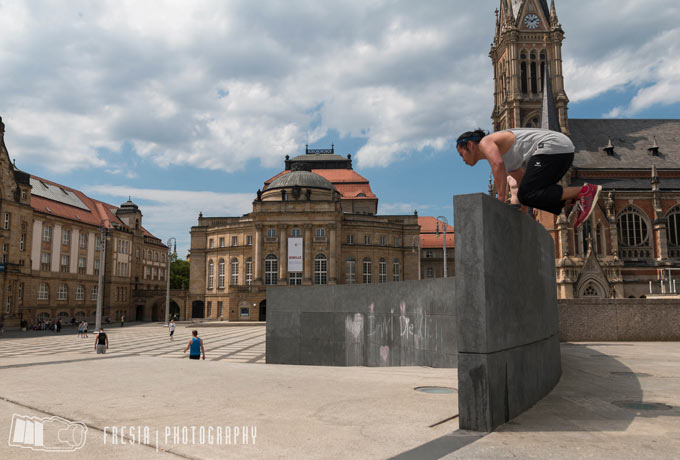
x: 631, y: 243
x: 315, y: 222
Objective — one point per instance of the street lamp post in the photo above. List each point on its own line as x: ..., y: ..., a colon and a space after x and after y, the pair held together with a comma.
x: 167, y: 275
x: 100, y: 287
x: 446, y: 223
x: 413, y: 248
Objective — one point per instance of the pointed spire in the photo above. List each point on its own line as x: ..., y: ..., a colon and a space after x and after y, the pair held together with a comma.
x: 549, y: 116
x: 553, y: 14
x: 609, y: 148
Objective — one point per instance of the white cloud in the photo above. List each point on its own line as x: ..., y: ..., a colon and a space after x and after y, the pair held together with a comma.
x: 172, y: 213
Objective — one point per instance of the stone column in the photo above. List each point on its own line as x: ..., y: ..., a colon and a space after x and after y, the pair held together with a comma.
x: 258, y: 262
x: 283, y: 254
x: 333, y: 254
x: 307, y: 273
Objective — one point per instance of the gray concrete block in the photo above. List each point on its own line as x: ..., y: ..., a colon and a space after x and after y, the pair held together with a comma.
x: 282, y: 350
x: 283, y: 324
x: 317, y: 352
x: 316, y: 325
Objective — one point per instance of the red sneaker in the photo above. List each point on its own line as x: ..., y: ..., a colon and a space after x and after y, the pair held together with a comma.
x: 585, y: 203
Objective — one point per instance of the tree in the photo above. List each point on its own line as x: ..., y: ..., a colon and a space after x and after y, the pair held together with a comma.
x: 179, y: 273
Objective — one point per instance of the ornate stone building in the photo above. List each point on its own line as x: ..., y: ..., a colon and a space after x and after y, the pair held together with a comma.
x: 315, y: 222
x: 51, y: 237
x: 632, y: 241
x: 432, y: 248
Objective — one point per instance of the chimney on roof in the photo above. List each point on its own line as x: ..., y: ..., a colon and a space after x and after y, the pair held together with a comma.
x: 654, y: 149
x: 609, y: 148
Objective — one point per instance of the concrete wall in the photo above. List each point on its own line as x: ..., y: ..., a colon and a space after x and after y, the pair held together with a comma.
x: 583, y: 320
x: 508, y: 344
x: 408, y: 323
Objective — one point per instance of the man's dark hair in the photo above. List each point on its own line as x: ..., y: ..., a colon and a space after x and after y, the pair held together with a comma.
x: 194, y: 333
x: 470, y: 136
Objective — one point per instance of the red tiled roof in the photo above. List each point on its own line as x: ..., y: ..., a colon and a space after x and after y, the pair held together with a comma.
x: 429, y: 225
x: 430, y: 240
x: 347, y: 181
x: 99, y: 213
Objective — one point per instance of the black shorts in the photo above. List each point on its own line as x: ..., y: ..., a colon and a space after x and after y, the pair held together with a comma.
x: 194, y: 356
x: 539, y: 188
x: 172, y: 332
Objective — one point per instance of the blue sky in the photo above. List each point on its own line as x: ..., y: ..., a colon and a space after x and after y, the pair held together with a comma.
x: 191, y: 106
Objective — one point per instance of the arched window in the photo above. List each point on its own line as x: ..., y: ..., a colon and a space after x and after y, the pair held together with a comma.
x: 271, y: 269
x: 599, y: 239
x: 220, y: 274
x: 234, y: 271
x: 591, y: 290
x: 396, y: 270
x: 382, y: 271
x: 350, y: 270
x: 249, y: 271
x: 674, y: 232
x: 80, y: 292
x: 211, y: 274
x: 534, y: 81
x: 633, y: 232
x: 43, y: 291
x: 524, y: 80
x: 582, y: 234
x: 320, y: 269
x: 368, y: 271
x: 62, y: 293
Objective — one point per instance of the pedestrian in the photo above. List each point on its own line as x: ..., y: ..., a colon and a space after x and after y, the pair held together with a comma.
x: 85, y: 328
x: 101, y: 342
x: 171, y: 327
x: 196, y: 346
x: 537, y: 159
x: 73, y: 321
x: 122, y: 320
x: 80, y: 329
x: 58, y: 325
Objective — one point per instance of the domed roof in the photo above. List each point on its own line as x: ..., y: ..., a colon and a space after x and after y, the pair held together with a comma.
x: 306, y: 179
x: 129, y: 206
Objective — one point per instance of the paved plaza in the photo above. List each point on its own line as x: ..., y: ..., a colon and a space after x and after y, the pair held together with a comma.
x: 614, y: 401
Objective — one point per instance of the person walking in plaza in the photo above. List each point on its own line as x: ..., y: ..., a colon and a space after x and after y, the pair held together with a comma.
x: 101, y: 342
x: 122, y: 320
x: 537, y: 159
x: 196, y: 346
x: 171, y: 327
x: 85, y: 328
x: 80, y: 329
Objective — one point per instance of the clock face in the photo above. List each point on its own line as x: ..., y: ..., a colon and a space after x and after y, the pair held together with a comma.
x: 531, y: 21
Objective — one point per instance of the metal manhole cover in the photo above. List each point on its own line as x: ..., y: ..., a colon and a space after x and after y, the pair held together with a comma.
x: 436, y: 390
x: 632, y: 374
x: 639, y: 405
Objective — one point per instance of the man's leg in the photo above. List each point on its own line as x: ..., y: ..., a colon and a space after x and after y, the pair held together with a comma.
x: 539, y: 188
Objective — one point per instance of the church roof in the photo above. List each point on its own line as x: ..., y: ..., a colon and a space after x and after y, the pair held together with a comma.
x: 517, y: 7
x: 348, y: 182
x: 631, y: 140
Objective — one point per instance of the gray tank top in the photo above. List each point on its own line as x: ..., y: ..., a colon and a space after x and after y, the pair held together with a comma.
x: 533, y: 141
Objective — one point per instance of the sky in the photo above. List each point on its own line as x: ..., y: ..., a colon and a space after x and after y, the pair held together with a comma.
x: 189, y: 107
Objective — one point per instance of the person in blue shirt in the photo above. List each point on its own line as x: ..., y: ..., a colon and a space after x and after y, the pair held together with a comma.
x: 195, y: 346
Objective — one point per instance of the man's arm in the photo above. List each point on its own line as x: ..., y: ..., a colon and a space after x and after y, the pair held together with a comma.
x: 107, y: 342
x: 490, y: 150
x: 95, y: 341
x: 202, y: 349
x: 188, y: 345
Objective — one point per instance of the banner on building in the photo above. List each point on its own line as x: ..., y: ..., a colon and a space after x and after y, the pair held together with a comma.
x: 294, y: 254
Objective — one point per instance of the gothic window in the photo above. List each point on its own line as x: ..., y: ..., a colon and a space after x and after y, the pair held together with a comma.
x: 584, y: 232
x: 271, y: 269
x: 534, y: 82
x: 674, y: 232
x: 591, y: 290
x: 523, y: 76
x: 350, y: 271
x: 633, y: 232
x: 599, y: 239
x: 320, y: 269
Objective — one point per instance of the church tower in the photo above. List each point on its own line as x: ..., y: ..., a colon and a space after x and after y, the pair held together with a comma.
x: 528, y: 37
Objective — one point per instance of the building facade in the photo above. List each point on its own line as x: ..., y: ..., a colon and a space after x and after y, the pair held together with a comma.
x: 432, y: 248
x: 51, y: 239
x: 315, y: 222
x: 630, y: 246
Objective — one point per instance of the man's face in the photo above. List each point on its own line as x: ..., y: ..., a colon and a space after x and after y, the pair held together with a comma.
x: 466, y: 155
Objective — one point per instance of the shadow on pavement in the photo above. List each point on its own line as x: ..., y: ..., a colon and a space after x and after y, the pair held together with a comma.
x: 596, y: 393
